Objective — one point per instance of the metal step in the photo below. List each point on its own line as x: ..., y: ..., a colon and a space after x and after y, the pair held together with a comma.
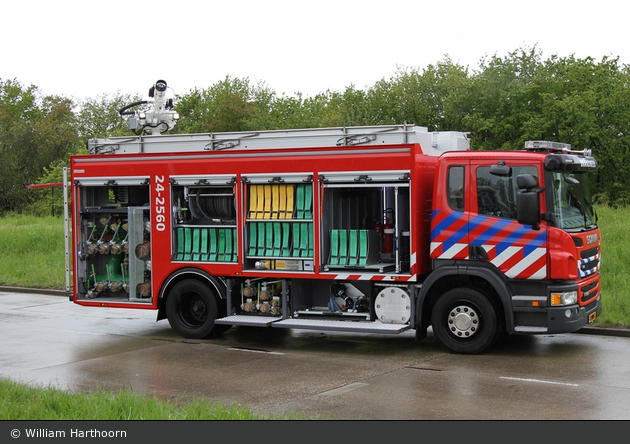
x: 255, y: 321
x: 313, y: 324
x: 354, y: 326
x: 530, y: 329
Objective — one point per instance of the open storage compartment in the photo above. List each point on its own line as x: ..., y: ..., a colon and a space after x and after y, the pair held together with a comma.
x: 113, y: 245
x: 204, y: 219
x: 279, y: 222
x: 365, y: 221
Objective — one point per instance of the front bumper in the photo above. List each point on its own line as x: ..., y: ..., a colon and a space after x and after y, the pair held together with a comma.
x: 559, y: 322
x: 545, y: 320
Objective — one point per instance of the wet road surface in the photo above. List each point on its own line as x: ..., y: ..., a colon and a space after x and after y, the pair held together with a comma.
x: 47, y: 341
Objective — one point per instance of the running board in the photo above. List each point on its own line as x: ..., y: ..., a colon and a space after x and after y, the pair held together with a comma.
x: 313, y: 324
x: 530, y: 329
x: 362, y: 326
x: 254, y: 321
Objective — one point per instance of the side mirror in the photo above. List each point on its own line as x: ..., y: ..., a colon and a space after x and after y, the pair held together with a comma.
x: 500, y: 169
x: 528, y: 201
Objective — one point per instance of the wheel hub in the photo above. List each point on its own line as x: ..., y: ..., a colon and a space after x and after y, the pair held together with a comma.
x: 194, y: 310
x: 199, y: 308
x: 463, y: 321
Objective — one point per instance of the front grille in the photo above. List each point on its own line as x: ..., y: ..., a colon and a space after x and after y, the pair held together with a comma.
x: 591, y: 306
x: 589, y: 253
x: 588, y: 292
x: 589, y: 265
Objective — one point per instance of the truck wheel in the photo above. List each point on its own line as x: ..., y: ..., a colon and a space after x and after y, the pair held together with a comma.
x: 191, y: 309
x: 464, y: 321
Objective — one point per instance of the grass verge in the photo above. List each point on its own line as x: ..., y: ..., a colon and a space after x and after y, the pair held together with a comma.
x: 21, y: 402
x: 615, y: 269
x: 32, y: 252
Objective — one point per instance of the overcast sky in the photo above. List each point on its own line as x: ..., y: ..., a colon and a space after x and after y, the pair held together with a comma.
x: 84, y: 48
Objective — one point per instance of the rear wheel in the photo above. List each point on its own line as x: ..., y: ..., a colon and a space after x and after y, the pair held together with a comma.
x: 465, y: 321
x: 191, y: 309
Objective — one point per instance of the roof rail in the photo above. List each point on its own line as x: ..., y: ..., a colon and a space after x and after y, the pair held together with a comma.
x: 431, y: 143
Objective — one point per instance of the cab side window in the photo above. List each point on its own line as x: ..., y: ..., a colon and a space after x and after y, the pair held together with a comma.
x: 496, y: 195
x: 456, y: 188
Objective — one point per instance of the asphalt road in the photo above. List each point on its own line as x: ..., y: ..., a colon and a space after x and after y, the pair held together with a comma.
x: 48, y: 341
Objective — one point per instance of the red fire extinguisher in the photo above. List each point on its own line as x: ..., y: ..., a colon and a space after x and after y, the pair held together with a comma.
x: 388, y: 237
x: 378, y: 227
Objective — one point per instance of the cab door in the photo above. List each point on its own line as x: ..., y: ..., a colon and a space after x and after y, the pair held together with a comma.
x: 451, y: 211
x: 495, y: 236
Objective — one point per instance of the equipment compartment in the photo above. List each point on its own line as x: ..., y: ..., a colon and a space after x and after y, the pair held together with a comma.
x: 204, y: 219
x: 279, y: 223
x: 114, y: 249
x: 366, y: 221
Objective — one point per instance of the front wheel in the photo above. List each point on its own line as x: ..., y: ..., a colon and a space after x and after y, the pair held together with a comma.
x: 464, y: 321
x: 191, y: 309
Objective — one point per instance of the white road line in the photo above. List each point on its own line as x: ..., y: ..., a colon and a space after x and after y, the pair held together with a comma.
x: 539, y: 380
x: 87, y: 332
x: 255, y: 351
x: 345, y: 388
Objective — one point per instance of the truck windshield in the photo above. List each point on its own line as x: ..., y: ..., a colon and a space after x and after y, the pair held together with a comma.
x: 572, y: 201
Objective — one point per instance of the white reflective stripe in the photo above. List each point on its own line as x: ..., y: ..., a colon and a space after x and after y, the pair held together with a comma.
x: 453, y: 251
x: 540, y: 274
x: 505, y: 255
x: 588, y: 259
x: 342, y: 276
x: 435, y: 245
x: 357, y: 277
x: 582, y: 273
x: 369, y: 277
x: 526, y: 262
x: 499, y: 260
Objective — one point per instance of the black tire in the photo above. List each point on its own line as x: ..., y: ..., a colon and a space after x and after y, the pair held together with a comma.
x: 465, y: 321
x: 191, y: 309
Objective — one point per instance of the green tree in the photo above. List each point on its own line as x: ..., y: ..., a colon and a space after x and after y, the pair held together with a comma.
x: 382, y: 103
x: 49, y: 200
x: 289, y: 113
x: 504, y: 95
x: 100, y: 116
x: 17, y: 102
x: 348, y: 108
x: 578, y: 101
x: 506, y: 101
x: 433, y: 97
x: 232, y: 104
x: 191, y: 109
x: 35, y: 131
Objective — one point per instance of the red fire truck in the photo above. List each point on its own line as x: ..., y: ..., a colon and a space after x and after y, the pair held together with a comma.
x: 379, y: 229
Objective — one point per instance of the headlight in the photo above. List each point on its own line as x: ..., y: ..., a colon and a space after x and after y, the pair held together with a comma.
x: 566, y: 298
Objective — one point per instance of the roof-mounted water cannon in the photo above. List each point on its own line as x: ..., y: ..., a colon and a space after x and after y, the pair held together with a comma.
x: 156, y: 120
